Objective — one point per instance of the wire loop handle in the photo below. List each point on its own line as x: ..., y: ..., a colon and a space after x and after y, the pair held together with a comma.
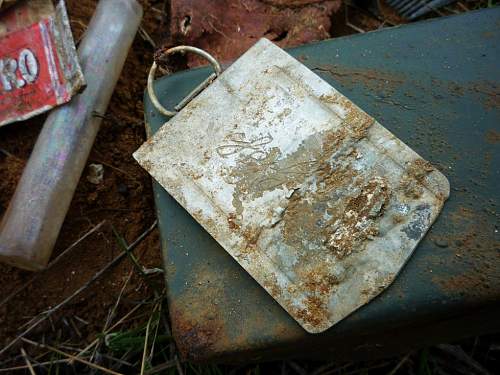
x: 154, y: 99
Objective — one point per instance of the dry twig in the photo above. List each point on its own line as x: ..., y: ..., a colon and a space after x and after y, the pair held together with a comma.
x: 143, y: 33
x: 40, y: 364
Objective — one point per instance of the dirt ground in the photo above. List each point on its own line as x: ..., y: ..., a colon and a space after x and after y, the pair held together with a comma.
x: 124, y: 199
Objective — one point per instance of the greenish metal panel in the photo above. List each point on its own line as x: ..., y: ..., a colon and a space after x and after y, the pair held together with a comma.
x: 435, y: 85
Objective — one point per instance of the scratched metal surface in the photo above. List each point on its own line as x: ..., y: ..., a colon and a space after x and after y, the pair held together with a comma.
x: 315, y: 199
x: 435, y: 86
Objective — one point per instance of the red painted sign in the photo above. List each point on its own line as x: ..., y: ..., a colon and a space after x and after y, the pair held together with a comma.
x: 33, y: 75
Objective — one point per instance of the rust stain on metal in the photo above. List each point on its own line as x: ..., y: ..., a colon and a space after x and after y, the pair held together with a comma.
x: 385, y: 84
x: 492, y: 136
x: 198, y: 324
x: 204, y: 329
x: 472, y: 283
x: 312, y: 196
x: 477, y: 254
x: 375, y: 80
x: 489, y: 91
x: 196, y: 336
x: 315, y: 311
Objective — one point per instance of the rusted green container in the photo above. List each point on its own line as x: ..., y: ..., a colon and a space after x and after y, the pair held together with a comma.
x: 435, y: 85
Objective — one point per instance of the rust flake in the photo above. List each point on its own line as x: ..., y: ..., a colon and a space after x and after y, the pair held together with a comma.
x: 271, y: 284
x: 357, y: 224
x: 355, y: 120
x: 251, y: 236
x: 315, y: 312
x: 231, y: 221
x: 196, y: 338
x: 489, y: 94
x: 412, y: 181
x: 320, y: 281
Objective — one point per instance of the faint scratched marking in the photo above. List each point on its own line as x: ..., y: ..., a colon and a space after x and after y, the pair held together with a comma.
x: 278, y: 175
x: 237, y: 144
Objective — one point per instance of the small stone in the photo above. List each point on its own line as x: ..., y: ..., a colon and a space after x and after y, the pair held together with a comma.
x: 96, y: 174
x: 441, y: 243
x: 122, y: 188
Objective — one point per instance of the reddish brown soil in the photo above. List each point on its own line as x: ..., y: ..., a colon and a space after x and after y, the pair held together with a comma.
x: 124, y: 200
x: 227, y: 28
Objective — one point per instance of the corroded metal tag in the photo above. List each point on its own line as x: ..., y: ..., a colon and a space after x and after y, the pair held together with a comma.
x: 315, y: 199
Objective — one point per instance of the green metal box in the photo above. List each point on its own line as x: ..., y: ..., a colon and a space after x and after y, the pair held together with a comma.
x: 435, y: 85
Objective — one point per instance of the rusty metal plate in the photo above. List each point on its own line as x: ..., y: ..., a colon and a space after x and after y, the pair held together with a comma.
x: 314, y: 198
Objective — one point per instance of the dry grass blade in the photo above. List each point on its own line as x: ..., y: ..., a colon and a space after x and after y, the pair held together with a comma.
x: 299, y: 370
x: 348, y: 23
x: 327, y: 367
x: 117, y: 360
x: 96, y: 341
x: 51, y: 264
x: 143, y: 33
x: 463, y: 357
x: 123, y: 244
x: 5, y: 152
x: 112, y: 313
x: 178, y: 365
x: 72, y: 357
x: 97, y: 275
x: 144, y: 352
x: 167, y: 329
x: 40, y: 364
x: 75, y: 328
x: 398, y: 366
x: 365, y: 370
x: 81, y: 320
x: 160, y: 368
x: 28, y: 363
